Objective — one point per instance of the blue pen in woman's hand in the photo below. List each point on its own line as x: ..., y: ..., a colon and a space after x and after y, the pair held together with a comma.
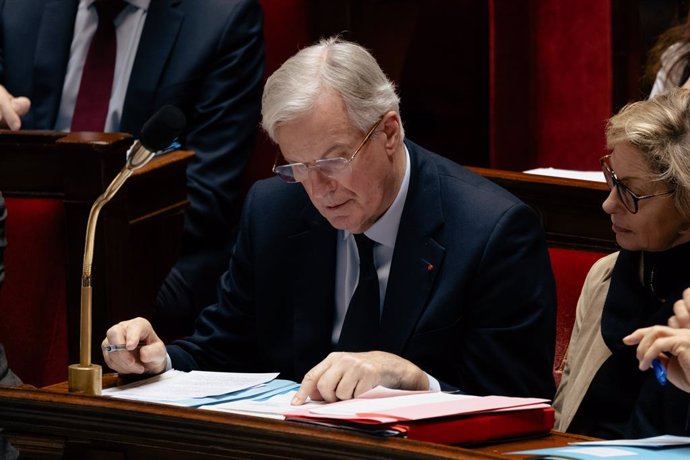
x: 659, y: 371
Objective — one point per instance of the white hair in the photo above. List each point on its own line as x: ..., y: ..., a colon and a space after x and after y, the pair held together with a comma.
x: 332, y: 64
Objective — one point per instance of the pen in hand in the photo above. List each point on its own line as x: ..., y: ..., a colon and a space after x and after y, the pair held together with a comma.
x: 659, y: 371
x: 120, y: 347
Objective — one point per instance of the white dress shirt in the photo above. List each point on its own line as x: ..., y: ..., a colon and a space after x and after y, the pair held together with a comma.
x: 384, y: 233
x: 128, y: 27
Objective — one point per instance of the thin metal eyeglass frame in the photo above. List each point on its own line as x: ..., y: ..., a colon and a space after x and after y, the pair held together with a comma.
x: 621, y: 188
x: 344, y: 161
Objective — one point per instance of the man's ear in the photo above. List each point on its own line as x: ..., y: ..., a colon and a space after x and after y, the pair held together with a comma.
x: 392, y: 127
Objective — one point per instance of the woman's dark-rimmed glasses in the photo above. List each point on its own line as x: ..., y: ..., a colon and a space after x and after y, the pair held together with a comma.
x: 630, y: 199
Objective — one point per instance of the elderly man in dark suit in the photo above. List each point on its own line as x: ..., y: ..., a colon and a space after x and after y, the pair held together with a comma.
x: 463, y: 293
x: 205, y: 57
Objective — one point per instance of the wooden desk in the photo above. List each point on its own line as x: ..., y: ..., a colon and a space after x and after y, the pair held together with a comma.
x: 52, y: 424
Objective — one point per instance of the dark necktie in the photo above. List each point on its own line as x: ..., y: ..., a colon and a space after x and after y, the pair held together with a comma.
x: 361, y: 326
x: 91, y: 109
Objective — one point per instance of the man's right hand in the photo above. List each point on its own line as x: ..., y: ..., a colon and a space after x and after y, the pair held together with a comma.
x: 144, y: 352
x: 12, y: 109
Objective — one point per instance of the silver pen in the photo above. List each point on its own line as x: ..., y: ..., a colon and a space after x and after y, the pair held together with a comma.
x: 120, y: 347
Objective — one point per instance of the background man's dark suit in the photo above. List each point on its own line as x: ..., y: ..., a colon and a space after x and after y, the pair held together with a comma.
x: 470, y: 296
x: 204, y: 56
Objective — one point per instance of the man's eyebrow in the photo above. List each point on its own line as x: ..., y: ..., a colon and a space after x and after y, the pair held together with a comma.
x: 338, y: 147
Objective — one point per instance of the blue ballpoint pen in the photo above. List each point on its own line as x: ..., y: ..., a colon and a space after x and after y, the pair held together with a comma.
x: 659, y: 371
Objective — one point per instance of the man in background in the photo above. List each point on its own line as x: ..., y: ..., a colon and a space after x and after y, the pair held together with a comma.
x: 205, y: 57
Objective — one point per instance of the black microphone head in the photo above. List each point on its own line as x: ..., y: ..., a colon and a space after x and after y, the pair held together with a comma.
x: 162, y: 128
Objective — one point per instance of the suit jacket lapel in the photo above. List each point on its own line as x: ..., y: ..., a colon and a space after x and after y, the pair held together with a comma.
x: 160, y: 32
x: 52, y: 55
x: 313, y: 290
x: 417, y: 257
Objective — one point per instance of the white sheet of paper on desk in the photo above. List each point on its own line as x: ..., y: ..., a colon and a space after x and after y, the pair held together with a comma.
x: 273, y: 407
x: 277, y: 405
x: 610, y: 452
x: 655, y: 441
x: 176, y: 385
x: 593, y: 176
x: 255, y: 393
x: 358, y: 406
x: 383, y: 392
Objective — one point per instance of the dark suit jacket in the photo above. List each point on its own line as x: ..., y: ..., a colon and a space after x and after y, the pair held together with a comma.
x: 482, y: 320
x: 204, y: 56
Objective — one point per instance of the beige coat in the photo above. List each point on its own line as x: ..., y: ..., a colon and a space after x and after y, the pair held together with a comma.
x: 587, y: 350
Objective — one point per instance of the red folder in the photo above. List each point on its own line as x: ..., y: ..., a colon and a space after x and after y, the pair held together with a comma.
x: 477, y: 428
x: 458, y: 429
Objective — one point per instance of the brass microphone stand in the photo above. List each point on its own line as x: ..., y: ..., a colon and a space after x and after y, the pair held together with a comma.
x: 160, y: 132
x: 87, y: 377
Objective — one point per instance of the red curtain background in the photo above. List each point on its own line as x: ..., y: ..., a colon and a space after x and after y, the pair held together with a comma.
x: 550, y: 83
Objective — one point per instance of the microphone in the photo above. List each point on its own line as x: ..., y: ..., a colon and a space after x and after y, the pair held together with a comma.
x: 157, y: 138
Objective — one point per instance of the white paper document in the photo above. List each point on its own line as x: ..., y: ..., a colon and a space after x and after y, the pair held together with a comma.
x: 178, y: 386
x: 278, y: 404
x: 364, y: 405
x: 593, y: 176
x: 273, y: 407
x: 656, y: 441
x: 658, y: 447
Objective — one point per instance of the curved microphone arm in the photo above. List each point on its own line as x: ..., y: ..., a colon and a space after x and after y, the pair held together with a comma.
x: 86, y: 376
x: 86, y: 296
x: 157, y: 138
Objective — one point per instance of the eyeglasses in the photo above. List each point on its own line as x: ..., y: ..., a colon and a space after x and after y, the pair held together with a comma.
x: 630, y: 200
x: 331, y: 167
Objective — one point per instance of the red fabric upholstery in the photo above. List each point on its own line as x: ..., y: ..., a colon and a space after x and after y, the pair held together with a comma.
x: 550, y: 83
x: 33, y: 315
x: 570, y: 268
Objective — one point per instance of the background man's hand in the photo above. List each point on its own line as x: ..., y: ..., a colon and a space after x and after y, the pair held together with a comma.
x: 12, y: 109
